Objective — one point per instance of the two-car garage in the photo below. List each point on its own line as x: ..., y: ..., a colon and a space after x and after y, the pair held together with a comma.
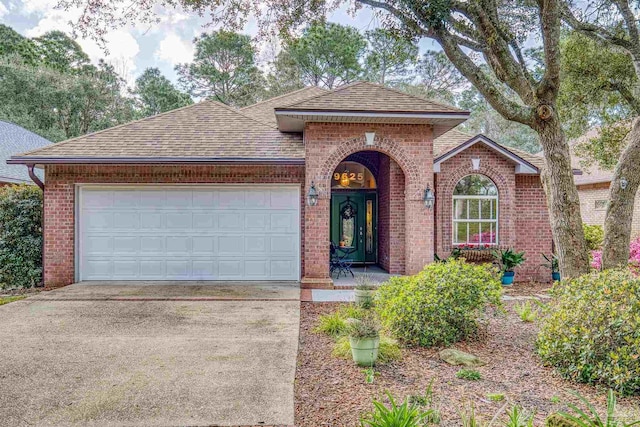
x: 223, y: 232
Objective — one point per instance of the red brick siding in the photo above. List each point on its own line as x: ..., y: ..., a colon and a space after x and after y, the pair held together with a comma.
x: 60, y: 198
x: 533, y: 229
x: 523, y: 221
x: 391, y: 217
x: 411, y: 146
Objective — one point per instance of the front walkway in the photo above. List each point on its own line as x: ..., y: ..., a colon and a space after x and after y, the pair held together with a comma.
x: 178, y: 354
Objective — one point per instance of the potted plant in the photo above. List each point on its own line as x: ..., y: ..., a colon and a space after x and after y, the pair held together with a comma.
x: 552, y: 264
x: 507, y: 260
x: 364, y: 339
x: 364, y: 291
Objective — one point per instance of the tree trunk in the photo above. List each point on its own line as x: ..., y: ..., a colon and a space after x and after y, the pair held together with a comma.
x: 617, y: 224
x: 562, y: 198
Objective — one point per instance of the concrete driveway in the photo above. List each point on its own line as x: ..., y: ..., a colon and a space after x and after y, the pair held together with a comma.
x: 173, y: 354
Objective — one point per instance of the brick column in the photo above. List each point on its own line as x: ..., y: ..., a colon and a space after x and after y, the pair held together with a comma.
x: 59, y: 238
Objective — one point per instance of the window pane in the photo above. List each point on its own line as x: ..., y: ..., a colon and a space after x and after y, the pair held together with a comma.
x: 460, y: 209
x: 475, y: 185
x: 474, y: 209
x: 460, y: 232
x: 488, y: 234
x: 486, y: 211
x: 474, y: 232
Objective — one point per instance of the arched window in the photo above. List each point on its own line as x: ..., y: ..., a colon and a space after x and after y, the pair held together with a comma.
x: 475, y: 211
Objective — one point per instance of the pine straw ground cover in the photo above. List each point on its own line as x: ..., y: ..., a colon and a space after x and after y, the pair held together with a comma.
x: 333, y: 392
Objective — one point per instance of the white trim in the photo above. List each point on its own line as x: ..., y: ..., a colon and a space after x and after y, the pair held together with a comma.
x: 522, y: 166
x: 381, y: 114
x: 78, y: 187
x: 467, y: 220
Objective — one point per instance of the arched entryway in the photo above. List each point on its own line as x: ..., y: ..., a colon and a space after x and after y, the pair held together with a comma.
x: 367, y: 210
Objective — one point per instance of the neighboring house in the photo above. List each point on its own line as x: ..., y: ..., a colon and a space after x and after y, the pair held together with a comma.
x: 593, y: 188
x: 14, y: 140
x: 208, y: 192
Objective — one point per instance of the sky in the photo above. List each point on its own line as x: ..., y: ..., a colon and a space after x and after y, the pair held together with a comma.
x: 134, y: 48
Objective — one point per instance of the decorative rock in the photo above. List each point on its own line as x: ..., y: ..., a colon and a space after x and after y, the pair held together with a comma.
x: 457, y: 357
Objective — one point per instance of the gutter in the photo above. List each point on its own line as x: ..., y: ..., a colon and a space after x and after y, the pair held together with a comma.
x: 40, y: 184
x: 31, y: 160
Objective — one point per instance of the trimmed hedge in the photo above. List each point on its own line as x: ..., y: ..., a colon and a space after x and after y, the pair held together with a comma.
x: 441, y: 305
x: 591, y: 330
x: 20, y: 236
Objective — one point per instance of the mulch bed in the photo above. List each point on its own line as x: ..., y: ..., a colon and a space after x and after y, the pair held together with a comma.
x: 527, y: 288
x: 333, y: 392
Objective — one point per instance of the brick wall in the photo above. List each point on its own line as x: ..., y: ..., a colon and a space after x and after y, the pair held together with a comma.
x: 533, y: 229
x: 391, y: 217
x: 60, y: 198
x: 523, y: 221
x: 410, y: 146
x: 595, y: 215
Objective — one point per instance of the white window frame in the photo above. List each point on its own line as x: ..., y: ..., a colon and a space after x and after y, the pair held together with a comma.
x: 467, y: 220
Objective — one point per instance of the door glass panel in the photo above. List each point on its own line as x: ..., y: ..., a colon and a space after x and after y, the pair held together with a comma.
x: 369, y: 227
x: 348, y: 215
x: 348, y: 229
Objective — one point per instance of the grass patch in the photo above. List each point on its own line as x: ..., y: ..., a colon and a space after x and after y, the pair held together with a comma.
x: 526, y: 311
x: 468, y: 374
x: 7, y: 300
x: 335, y: 324
x: 495, y: 397
x: 388, y: 351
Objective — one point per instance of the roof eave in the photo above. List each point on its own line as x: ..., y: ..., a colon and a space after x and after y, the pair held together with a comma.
x: 31, y: 160
x: 522, y: 165
x: 292, y: 120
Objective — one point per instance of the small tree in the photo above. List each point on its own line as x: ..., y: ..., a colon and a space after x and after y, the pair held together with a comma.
x: 20, y: 236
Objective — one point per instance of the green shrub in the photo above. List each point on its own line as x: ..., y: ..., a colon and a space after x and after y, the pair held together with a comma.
x: 440, y: 305
x: 398, y: 415
x: 388, y: 351
x: 594, y: 235
x: 20, y: 236
x: 591, y: 330
x: 468, y: 374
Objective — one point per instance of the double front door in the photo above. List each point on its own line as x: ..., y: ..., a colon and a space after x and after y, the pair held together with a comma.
x: 353, y: 225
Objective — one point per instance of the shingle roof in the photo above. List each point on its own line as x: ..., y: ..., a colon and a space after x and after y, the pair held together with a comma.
x: 454, y: 138
x: 366, y: 96
x: 207, y: 130
x: 264, y: 111
x: 13, y: 140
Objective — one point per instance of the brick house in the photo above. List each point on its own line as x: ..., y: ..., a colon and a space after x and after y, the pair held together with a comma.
x: 593, y: 185
x: 208, y: 192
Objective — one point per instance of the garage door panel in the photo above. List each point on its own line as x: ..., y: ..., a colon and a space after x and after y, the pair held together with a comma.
x: 190, y: 233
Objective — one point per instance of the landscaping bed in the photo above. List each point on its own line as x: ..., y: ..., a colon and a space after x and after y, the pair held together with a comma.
x: 333, y: 392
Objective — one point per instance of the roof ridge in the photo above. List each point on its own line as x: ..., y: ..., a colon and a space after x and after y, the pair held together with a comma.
x: 287, y: 94
x: 237, y: 111
x: 117, y: 127
x: 359, y: 82
x: 412, y: 96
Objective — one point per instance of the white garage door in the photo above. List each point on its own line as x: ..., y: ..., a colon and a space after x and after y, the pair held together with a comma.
x: 189, y: 233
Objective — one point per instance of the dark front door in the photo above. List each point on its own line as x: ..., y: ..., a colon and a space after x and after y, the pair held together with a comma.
x: 353, y: 225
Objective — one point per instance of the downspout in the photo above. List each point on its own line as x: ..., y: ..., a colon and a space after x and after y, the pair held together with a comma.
x: 40, y: 184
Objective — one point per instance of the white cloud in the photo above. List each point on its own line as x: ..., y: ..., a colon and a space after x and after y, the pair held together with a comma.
x: 3, y: 10
x: 120, y: 44
x: 174, y: 50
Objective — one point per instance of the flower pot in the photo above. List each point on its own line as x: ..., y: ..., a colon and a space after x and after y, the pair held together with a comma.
x: 364, y: 350
x: 555, y: 276
x: 507, y: 278
x: 364, y: 296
